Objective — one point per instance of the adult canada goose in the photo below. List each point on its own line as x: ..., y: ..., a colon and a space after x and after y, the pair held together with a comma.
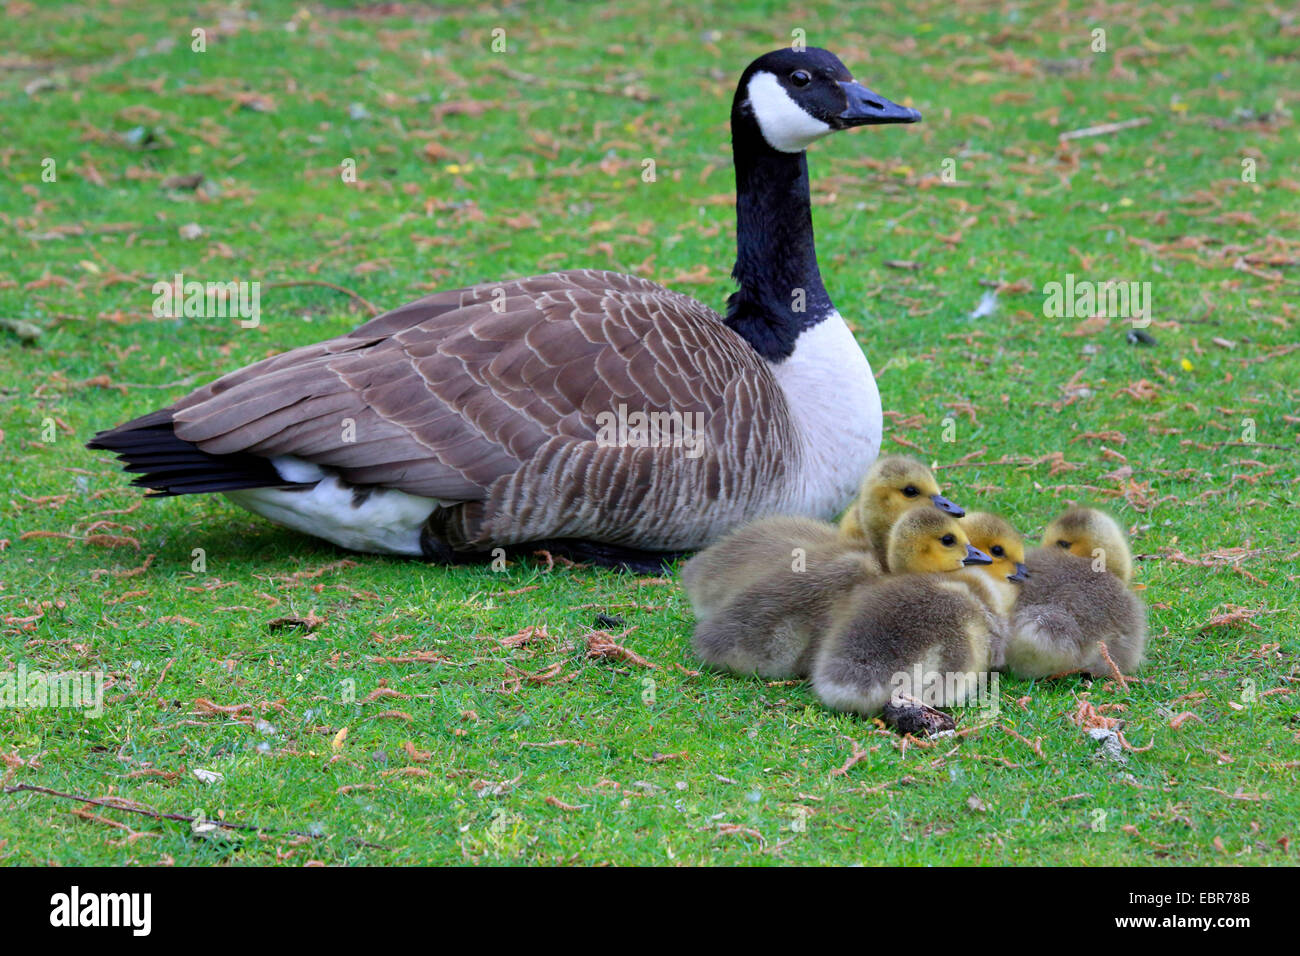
x: 916, y: 638
x: 774, y: 626
x: 893, y: 484
x: 485, y: 416
x: 1070, y: 603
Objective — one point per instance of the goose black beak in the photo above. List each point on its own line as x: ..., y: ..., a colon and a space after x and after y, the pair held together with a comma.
x: 865, y: 108
x: 975, y: 556
x: 948, y: 507
x: 1022, y: 574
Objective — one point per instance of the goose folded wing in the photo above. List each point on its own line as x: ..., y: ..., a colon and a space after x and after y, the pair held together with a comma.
x: 445, y: 395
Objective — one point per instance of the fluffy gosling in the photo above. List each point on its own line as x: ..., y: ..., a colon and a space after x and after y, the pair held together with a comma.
x: 1076, y: 596
x: 926, y: 635
x: 892, y: 486
x: 718, y: 574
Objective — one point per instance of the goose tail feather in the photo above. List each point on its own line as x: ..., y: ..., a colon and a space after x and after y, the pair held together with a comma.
x: 167, y: 465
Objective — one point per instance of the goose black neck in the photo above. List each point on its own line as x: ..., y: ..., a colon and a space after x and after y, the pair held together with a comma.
x: 781, y: 291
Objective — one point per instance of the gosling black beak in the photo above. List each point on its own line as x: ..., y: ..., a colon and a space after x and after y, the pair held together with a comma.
x: 1022, y: 574
x: 865, y: 108
x: 948, y: 507
x: 975, y: 556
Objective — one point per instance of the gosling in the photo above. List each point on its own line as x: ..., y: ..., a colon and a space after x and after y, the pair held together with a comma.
x: 715, y: 576
x: 926, y: 635
x: 891, y: 487
x: 1075, y: 597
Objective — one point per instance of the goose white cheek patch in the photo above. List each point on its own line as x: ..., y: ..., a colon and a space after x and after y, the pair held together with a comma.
x: 784, y: 123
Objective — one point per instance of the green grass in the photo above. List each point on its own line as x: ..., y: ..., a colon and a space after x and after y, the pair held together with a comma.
x: 469, y: 173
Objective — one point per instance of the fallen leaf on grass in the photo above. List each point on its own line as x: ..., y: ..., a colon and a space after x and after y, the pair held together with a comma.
x: 131, y: 834
x: 309, y: 623
x: 1036, y: 745
x: 379, y: 692
x: 736, y: 829
x: 548, y: 675
x: 1233, y: 615
x: 1131, y: 830
x: 154, y: 772
x: 419, y: 756
x: 204, y: 706
x: 560, y: 804
x: 602, y: 644
x: 1240, y: 794
x: 657, y: 757
x: 177, y: 619
x: 112, y: 541
x: 565, y: 742
x: 527, y: 635
x: 188, y: 182
x: 419, y: 657
x: 494, y: 788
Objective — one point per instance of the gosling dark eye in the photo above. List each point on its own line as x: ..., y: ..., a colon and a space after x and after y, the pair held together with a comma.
x: 1062, y: 544
x: 997, y: 551
x: 948, y: 540
x: 800, y: 77
x: 910, y: 491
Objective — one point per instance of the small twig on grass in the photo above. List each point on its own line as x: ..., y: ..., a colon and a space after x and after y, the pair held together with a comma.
x: 116, y: 803
x: 1114, y: 668
x: 1009, y: 764
x: 630, y: 91
x: 602, y: 644
x: 1105, y: 128
x: 131, y: 834
x: 162, y: 676
x: 1036, y: 745
x: 374, y: 309
x: 1129, y: 747
x: 858, y: 755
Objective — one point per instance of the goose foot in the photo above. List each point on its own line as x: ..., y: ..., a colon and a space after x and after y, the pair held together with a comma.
x: 610, y: 555
x: 436, y: 551
x: 577, y: 550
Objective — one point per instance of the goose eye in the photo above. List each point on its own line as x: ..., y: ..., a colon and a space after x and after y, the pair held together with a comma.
x: 948, y: 540
x: 997, y: 551
x: 1063, y: 544
x: 800, y: 77
x: 910, y: 491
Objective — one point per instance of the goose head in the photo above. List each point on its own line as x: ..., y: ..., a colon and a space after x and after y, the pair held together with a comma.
x: 795, y: 97
x: 1092, y: 534
x: 926, y: 540
x: 785, y: 101
x: 894, y: 485
x: 1000, y: 541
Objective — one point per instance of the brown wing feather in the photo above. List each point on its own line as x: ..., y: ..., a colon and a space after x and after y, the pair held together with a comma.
x: 478, y: 388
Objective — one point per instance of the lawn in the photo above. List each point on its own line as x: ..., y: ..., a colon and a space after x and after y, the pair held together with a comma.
x: 350, y: 709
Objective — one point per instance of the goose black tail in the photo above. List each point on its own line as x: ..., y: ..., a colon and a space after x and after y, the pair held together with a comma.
x: 168, y: 465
